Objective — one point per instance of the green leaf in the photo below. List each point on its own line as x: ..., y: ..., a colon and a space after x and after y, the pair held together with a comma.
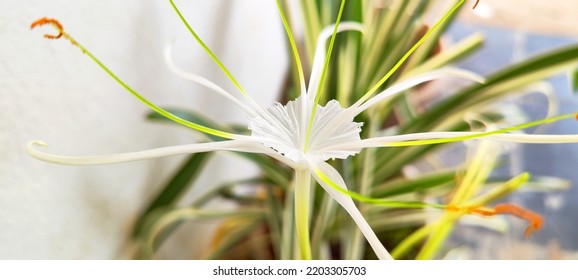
x: 225, y: 191
x: 165, y: 220
x: 274, y: 219
x: 148, y: 221
x: 233, y: 239
x: 392, y: 160
x: 191, y: 117
x: 405, y: 186
x: 497, y: 85
x: 452, y: 54
x: 179, y: 183
x: 425, y: 51
x: 500, y: 191
x: 574, y: 80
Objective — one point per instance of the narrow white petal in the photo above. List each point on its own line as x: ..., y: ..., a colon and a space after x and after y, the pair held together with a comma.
x: 414, y: 81
x: 320, y: 51
x: 347, y: 203
x: 203, y: 81
x: 505, y: 137
x: 231, y: 145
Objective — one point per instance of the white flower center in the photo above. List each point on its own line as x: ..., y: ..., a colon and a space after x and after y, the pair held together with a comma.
x: 285, y: 131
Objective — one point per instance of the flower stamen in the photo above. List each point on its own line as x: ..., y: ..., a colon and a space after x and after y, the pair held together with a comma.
x: 51, y: 21
x: 535, y: 220
x: 61, y: 34
x: 476, y: 4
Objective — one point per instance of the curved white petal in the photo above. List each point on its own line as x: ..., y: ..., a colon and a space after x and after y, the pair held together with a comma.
x: 414, y: 81
x: 347, y: 203
x: 320, y: 52
x: 392, y: 141
x: 230, y: 145
x: 203, y: 81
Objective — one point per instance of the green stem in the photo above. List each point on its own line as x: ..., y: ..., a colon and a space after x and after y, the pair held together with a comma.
x: 321, y: 225
x: 409, y: 242
x: 288, y: 227
x: 438, y: 236
x: 302, y: 200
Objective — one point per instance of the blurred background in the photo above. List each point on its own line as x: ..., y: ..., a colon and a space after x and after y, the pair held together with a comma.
x: 50, y: 91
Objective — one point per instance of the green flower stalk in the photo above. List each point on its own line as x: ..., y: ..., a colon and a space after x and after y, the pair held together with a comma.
x: 303, y: 134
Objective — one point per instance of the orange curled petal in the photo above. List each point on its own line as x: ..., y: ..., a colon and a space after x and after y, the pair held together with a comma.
x: 51, y: 21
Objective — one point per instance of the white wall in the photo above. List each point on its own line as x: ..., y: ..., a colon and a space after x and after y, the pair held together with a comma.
x: 52, y: 92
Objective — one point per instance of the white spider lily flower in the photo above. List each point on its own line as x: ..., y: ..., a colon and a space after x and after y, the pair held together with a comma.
x: 301, y: 134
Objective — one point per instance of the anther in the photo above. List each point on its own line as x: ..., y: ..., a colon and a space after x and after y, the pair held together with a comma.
x: 51, y: 21
x: 476, y: 4
x: 535, y: 220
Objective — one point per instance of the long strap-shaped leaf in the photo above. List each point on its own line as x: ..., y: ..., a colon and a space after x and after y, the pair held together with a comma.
x: 179, y: 183
x: 508, y: 79
x: 521, y: 74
